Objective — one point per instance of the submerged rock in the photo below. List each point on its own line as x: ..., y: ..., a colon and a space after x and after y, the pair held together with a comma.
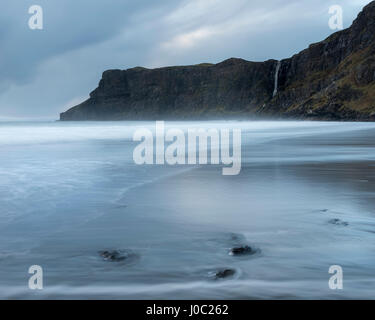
x: 114, y: 255
x: 338, y: 222
x: 243, y: 250
x: 224, y: 273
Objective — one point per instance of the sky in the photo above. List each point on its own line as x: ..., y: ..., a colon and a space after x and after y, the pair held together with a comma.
x: 45, y: 72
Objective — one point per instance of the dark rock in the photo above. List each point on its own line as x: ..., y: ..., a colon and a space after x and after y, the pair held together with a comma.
x: 243, y: 250
x: 225, y: 273
x: 338, y: 222
x: 330, y: 80
x: 114, y: 255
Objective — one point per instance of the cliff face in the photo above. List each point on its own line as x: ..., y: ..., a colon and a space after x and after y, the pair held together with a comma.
x: 331, y: 80
x: 232, y: 87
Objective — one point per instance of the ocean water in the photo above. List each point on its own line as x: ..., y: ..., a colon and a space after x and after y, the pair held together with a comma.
x: 69, y: 190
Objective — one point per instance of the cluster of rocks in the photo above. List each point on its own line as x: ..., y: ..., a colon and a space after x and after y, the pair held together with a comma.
x: 238, y: 250
x: 115, y: 255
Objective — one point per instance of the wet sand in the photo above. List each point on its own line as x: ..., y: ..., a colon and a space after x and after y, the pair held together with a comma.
x: 304, y: 203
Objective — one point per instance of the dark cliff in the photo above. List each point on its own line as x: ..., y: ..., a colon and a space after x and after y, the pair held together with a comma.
x: 331, y: 80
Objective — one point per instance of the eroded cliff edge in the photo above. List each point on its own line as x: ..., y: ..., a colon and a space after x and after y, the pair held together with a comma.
x: 331, y: 80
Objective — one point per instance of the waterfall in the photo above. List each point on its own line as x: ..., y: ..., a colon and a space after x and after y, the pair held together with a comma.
x: 276, y: 77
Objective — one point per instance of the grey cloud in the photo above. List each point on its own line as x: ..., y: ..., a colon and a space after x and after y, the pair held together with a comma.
x: 44, y: 72
x: 68, y: 25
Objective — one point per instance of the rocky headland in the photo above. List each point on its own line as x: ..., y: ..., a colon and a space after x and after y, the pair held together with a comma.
x: 330, y: 80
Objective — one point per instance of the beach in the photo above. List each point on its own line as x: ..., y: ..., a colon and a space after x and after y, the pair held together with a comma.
x: 303, y: 201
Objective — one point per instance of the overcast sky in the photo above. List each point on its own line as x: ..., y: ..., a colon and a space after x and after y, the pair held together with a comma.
x: 44, y: 72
